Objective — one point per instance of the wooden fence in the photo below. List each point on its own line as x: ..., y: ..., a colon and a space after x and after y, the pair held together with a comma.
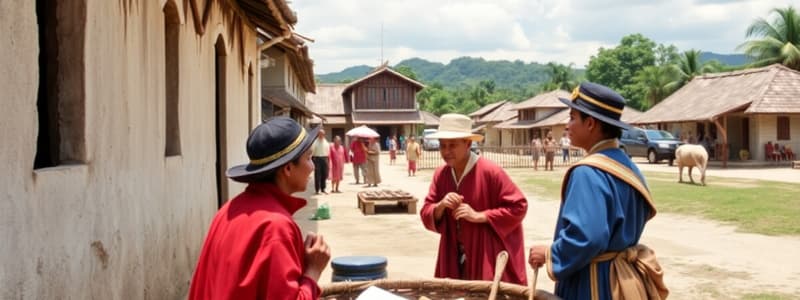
x: 506, y: 157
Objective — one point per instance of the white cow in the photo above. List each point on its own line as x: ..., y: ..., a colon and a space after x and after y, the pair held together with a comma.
x: 689, y: 155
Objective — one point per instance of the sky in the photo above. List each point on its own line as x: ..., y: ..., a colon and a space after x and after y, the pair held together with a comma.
x: 348, y: 32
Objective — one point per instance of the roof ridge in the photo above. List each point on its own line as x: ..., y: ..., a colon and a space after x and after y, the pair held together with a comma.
x: 745, y: 71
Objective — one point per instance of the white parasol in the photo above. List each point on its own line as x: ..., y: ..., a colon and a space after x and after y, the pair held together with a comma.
x: 363, y: 132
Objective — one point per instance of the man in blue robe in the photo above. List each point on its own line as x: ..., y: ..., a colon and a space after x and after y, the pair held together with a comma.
x: 605, y: 204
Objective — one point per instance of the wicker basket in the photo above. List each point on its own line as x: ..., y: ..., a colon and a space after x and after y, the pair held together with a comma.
x: 432, y: 289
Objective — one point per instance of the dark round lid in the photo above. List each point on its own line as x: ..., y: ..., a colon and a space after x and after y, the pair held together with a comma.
x: 358, y: 263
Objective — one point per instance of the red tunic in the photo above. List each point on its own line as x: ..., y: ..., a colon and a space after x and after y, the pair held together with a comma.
x: 254, y: 250
x: 485, y: 188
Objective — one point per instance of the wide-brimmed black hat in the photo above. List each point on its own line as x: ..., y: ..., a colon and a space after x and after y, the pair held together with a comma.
x: 598, y: 101
x: 272, y: 144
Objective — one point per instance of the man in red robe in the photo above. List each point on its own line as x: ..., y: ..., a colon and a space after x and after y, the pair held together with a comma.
x: 254, y: 249
x: 476, y: 209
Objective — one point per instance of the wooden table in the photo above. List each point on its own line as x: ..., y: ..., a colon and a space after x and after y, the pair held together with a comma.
x: 367, y: 200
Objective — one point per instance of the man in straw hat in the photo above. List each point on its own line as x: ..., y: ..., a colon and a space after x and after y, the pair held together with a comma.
x: 475, y: 207
x: 254, y: 249
x: 605, y: 204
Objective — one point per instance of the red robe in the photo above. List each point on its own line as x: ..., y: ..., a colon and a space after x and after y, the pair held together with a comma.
x: 485, y: 188
x: 254, y: 250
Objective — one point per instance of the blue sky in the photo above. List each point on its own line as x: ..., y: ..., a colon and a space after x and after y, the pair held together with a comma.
x: 348, y: 32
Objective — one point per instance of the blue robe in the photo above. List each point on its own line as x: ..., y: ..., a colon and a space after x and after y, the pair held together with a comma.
x: 599, y: 213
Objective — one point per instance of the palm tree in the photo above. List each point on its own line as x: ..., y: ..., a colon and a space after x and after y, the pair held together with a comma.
x: 655, y: 80
x: 780, y: 40
x: 688, y: 66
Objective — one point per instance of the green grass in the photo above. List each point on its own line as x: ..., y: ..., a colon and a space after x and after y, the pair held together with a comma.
x: 756, y: 206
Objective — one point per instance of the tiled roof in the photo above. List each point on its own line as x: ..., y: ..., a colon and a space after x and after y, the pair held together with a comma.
x: 545, y: 100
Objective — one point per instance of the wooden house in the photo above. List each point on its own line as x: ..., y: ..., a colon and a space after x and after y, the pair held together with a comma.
x: 384, y: 100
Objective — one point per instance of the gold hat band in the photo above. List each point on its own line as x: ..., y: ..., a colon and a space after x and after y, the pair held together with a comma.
x: 576, y: 93
x: 274, y: 156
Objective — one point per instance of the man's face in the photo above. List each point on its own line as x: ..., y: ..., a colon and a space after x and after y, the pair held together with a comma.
x: 577, y: 129
x: 298, y: 173
x: 454, y: 151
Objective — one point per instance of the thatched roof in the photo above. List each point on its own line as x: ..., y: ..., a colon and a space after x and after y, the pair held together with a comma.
x: 328, y: 99
x: 545, y: 100
x: 771, y: 89
x: 486, y: 109
x: 500, y: 114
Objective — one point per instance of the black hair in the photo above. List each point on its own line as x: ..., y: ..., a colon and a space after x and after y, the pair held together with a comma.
x: 609, y: 131
x: 271, y: 175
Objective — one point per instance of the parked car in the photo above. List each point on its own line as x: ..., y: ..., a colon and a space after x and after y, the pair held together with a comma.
x: 429, y: 144
x: 655, y: 145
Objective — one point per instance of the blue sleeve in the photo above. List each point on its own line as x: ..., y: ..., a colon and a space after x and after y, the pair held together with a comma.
x: 583, y: 230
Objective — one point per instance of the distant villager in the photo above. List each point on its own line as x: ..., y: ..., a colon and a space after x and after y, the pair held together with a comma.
x: 691, y: 156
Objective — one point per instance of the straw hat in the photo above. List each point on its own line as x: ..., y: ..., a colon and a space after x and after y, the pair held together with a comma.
x: 272, y: 144
x: 455, y: 126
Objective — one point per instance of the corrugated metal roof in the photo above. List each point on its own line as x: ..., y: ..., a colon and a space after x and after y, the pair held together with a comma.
x: 486, y: 109
x: 332, y: 120
x: 545, y: 100
x: 771, y: 89
x: 387, y: 117
x: 328, y: 99
x: 429, y: 118
x: 281, y: 97
x: 500, y: 114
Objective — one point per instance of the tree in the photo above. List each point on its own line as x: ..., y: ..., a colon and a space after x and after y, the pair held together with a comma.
x: 687, y: 67
x: 655, y: 82
x: 617, y: 67
x: 407, y: 72
x: 779, y: 41
x: 561, y: 77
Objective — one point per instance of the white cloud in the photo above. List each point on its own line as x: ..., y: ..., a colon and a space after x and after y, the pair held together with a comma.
x: 348, y: 32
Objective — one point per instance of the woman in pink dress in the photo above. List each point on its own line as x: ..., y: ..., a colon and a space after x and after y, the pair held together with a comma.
x: 338, y: 158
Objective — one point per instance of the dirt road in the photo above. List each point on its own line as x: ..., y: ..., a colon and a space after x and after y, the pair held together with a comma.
x: 702, y: 259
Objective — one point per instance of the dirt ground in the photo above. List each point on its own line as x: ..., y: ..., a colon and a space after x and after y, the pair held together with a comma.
x: 702, y: 259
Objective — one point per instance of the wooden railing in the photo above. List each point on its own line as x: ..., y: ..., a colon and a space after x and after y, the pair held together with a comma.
x: 506, y: 157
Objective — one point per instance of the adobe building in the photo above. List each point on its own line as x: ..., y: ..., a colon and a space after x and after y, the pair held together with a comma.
x: 118, y: 121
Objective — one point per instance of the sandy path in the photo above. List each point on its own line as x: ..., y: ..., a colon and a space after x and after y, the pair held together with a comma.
x: 702, y: 259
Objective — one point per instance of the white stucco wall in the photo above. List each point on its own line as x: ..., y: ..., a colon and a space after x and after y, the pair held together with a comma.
x: 129, y: 223
x: 765, y: 130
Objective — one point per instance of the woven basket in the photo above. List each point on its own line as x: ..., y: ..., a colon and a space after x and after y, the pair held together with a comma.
x: 432, y: 289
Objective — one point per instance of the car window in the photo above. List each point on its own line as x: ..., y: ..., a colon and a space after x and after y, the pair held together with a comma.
x: 659, y: 135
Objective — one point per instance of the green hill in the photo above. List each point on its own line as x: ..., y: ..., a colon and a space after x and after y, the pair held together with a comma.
x: 726, y: 59
x: 460, y: 72
x: 346, y: 75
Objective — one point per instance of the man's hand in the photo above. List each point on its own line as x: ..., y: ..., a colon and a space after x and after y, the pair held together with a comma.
x: 451, y: 200
x: 537, y: 256
x: 464, y: 211
x: 317, y: 255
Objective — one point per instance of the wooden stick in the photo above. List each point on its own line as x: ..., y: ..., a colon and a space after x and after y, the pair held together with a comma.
x: 500, y: 265
x: 533, y: 284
